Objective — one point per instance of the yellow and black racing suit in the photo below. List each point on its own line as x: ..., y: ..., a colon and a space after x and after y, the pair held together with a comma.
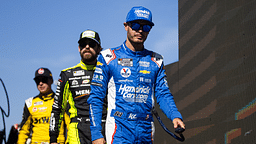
x: 73, y: 89
x: 36, y: 119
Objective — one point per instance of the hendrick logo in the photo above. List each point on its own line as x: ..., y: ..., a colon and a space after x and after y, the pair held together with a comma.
x: 132, y: 94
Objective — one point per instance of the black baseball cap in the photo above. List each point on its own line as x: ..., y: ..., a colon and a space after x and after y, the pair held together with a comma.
x: 90, y: 34
x: 45, y: 72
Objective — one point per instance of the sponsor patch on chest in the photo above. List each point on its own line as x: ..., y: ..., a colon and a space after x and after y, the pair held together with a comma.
x: 144, y: 63
x: 38, y: 103
x: 125, y: 62
x: 125, y: 72
x: 78, y: 73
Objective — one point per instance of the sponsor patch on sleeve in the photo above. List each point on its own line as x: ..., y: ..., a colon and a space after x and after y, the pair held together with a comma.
x: 99, y: 63
x: 96, y: 84
x: 98, y: 70
x: 157, y: 58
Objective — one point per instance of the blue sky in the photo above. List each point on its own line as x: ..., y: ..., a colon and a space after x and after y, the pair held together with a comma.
x: 44, y: 33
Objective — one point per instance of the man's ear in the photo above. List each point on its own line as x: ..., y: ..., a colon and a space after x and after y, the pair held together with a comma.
x: 99, y: 50
x: 126, y: 26
x: 51, y: 80
x: 79, y: 49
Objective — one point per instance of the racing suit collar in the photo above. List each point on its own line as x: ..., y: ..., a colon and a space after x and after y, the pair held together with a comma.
x: 47, y: 97
x: 134, y: 53
x: 87, y: 67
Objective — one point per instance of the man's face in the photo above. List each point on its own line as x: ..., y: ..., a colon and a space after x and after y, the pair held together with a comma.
x: 136, y: 36
x: 88, y: 50
x: 43, y: 84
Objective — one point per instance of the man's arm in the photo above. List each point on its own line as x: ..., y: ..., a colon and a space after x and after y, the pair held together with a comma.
x: 164, y: 96
x: 58, y: 108
x: 25, y: 125
x: 99, y: 141
x: 98, y: 91
x: 166, y: 101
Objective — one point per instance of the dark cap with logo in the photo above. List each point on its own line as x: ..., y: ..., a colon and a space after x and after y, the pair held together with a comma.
x: 45, y: 72
x: 89, y: 34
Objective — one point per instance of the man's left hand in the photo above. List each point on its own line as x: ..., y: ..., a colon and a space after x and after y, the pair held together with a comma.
x: 178, y: 122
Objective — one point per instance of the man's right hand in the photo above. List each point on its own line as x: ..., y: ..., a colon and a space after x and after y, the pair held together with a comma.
x: 99, y: 141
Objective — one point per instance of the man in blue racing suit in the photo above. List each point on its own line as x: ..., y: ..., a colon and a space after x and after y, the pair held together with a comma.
x: 132, y: 76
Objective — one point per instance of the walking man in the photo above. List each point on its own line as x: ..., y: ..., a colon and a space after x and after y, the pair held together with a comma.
x: 132, y: 76
x: 73, y: 89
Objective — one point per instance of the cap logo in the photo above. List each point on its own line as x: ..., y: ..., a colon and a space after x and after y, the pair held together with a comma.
x: 40, y: 71
x: 142, y: 13
x: 88, y: 34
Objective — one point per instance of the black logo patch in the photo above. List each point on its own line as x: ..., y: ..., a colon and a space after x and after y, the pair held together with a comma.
x: 117, y: 113
x: 125, y: 62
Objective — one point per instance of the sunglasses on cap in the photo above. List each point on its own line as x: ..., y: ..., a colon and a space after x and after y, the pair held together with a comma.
x: 137, y: 26
x: 41, y: 79
x: 91, y: 44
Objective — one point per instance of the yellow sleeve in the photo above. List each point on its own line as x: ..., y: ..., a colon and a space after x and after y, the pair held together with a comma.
x: 24, y: 131
x: 26, y: 123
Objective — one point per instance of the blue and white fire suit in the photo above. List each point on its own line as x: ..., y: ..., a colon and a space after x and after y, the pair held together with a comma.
x: 132, y: 79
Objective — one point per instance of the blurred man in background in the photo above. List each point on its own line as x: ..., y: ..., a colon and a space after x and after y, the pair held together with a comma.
x: 37, y: 111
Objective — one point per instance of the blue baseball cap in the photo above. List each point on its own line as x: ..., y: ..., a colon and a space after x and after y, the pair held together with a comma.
x: 139, y: 13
